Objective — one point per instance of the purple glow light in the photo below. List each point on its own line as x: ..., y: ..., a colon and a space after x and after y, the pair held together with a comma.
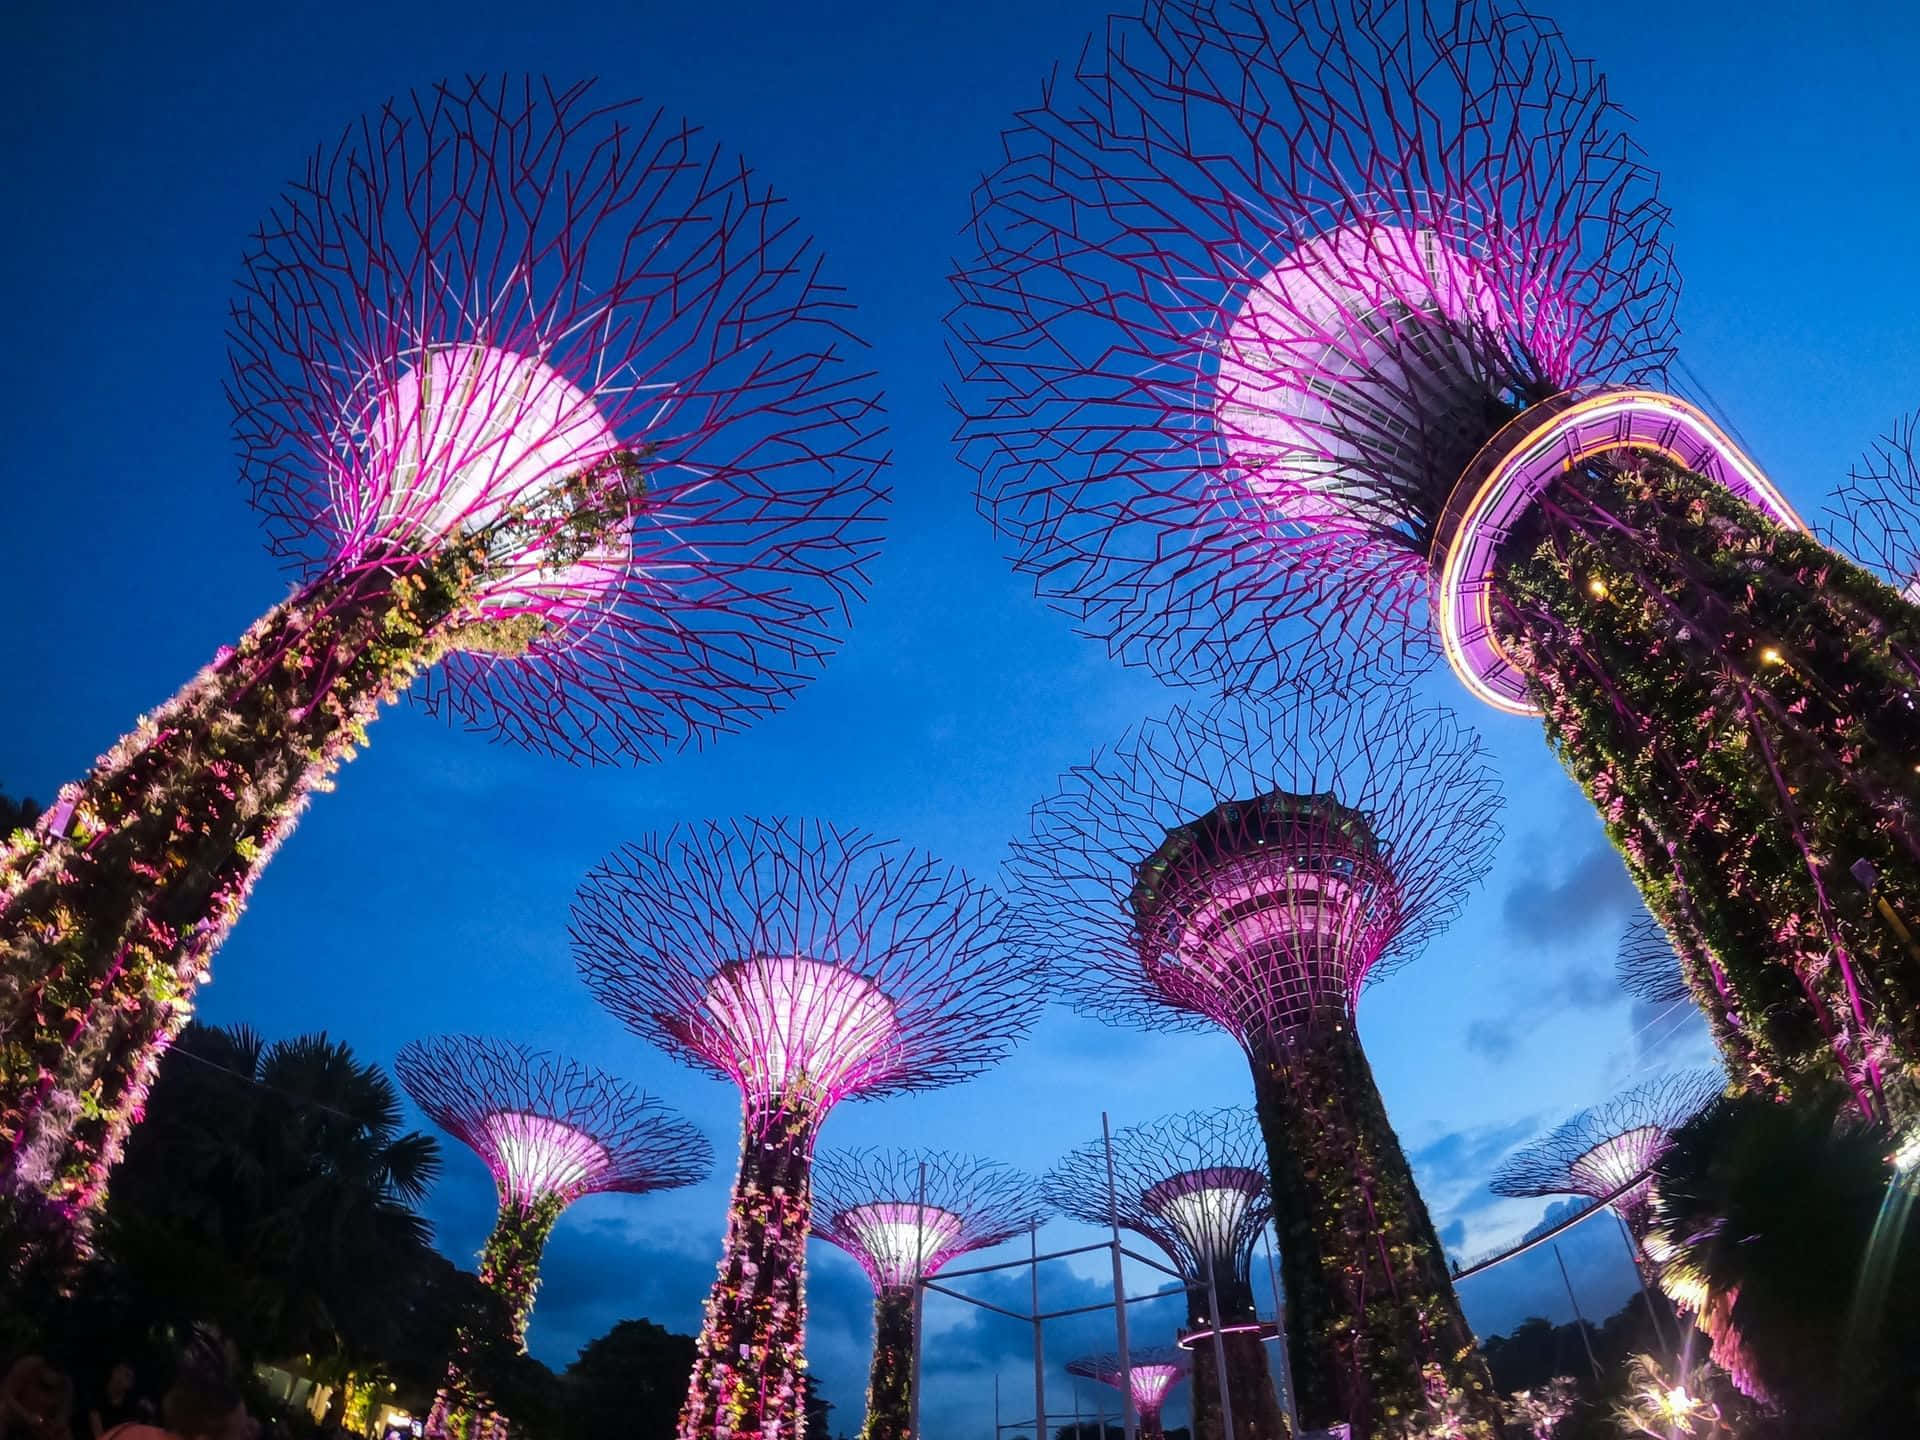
x: 535, y: 1155
x: 1151, y: 1372
x: 1208, y: 1207
x: 1319, y: 354
x: 796, y: 1028
x: 901, y: 1242
x: 464, y: 433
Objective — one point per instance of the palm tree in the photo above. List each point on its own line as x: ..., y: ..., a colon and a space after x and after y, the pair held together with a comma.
x: 282, y: 1176
x: 1771, y: 1216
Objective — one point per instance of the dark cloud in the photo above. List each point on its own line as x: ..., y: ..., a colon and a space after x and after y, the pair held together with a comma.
x: 1595, y: 892
x: 1494, y: 1039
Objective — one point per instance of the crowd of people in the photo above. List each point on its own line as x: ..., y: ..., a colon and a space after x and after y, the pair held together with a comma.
x: 202, y: 1399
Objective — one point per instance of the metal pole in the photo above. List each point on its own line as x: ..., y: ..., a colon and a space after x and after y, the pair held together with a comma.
x: 919, y: 1293
x: 1646, y: 1292
x: 1039, y: 1342
x: 996, y: 1405
x: 1130, y: 1421
x: 1578, y: 1318
x: 1078, y: 1434
x: 1100, y: 1410
x: 1280, y: 1335
x: 1219, y: 1356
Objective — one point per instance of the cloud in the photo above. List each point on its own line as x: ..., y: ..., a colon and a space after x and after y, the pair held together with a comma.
x: 1594, y: 891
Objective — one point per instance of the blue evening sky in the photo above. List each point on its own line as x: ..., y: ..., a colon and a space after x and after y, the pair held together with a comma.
x: 140, y: 143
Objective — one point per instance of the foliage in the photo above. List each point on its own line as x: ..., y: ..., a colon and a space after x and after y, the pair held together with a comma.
x: 271, y: 1192
x: 750, y: 1367
x: 1786, y: 1227
x: 1374, y: 1329
x: 1734, y: 700
x: 1543, y: 1410
x: 111, y: 914
x: 630, y: 1383
x: 1666, y: 1406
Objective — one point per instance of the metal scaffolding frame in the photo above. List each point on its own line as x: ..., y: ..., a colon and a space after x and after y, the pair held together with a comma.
x: 1037, y: 1318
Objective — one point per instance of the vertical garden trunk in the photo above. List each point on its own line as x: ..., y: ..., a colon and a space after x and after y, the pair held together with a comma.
x: 1739, y: 704
x: 1375, y: 1333
x: 890, y: 1380
x: 748, y: 1363
x: 1256, y: 1404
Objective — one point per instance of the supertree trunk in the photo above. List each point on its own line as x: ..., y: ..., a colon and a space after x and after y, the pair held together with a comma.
x: 111, y: 910
x: 890, y: 1381
x: 1256, y: 1404
x: 1736, y: 701
x: 758, y: 1304
x: 510, y: 1267
x: 1150, y: 1426
x: 1372, y: 1321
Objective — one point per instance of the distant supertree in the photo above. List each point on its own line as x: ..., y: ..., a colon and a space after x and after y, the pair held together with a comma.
x: 1608, y: 1152
x: 549, y: 1130
x: 1646, y: 965
x: 808, y: 965
x: 1305, y: 333
x: 1252, y: 870
x: 1196, y: 1186
x: 1149, y: 1375
x: 547, y: 405
x: 903, y: 1214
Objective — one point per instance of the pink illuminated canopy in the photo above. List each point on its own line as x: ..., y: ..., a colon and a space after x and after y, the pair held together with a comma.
x: 1208, y: 1207
x: 462, y: 435
x: 795, y: 1027
x: 533, y: 1156
x: 902, y: 1241
x: 1150, y: 1374
x: 1618, y: 1160
x: 1351, y: 347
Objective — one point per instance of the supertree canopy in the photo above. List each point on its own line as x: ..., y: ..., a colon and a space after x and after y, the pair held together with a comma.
x: 547, y: 404
x: 549, y: 1131
x: 1196, y: 1186
x: 1307, y: 331
x: 1252, y: 870
x: 1646, y: 965
x: 903, y: 1214
x: 1149, y: 1374
x: 808, y: 965
x: 1607, y: 1153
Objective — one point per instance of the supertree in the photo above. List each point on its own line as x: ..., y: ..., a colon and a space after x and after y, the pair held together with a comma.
x: 546, y: 403
x: 809, y: 965
x: 1607, y: 1152
x: 1149, y: 1375
x: 1196, y: 1186
x: 549, y: 1130
x: 1303, y: 332
x: 1646, y: 965
x: 1251, y: 870
x: 903, y: 1214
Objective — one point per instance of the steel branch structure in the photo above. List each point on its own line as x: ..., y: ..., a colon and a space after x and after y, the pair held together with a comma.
x: 903, y: 1214
x: 1196, y: 1186
x: 1302, y: 335
x: 1646, y: 965
x: 549, y: 1131
x: 1149, y: 1376
x: 1252, y: 871
x: 808, y: 965
x: 548, y: 404
x: 1875, y: 512
x: 1608, y: 1152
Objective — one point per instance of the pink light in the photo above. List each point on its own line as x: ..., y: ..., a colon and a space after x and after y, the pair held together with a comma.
x: 1208, y: 1207
x: 1244, y: 1327
x: 1275, y: 934
x: 1150, y: 1384
x: 1336, y: 356
x: 902, y: 1241
x: 1617, y: 1161
x: 533, y: 1156
x: 460, y: 437
x: 797, y: 1028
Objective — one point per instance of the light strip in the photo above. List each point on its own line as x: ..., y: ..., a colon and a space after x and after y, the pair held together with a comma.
x: 1535, y: 462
